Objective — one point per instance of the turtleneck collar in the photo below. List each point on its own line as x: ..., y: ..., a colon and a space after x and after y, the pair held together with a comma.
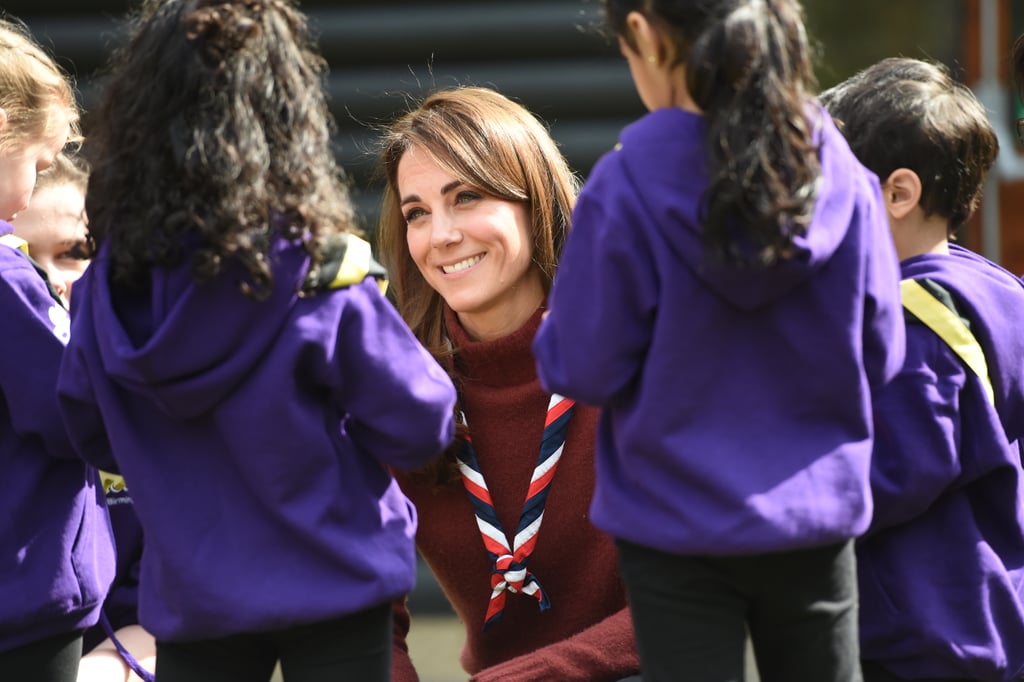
x: 501, y: 362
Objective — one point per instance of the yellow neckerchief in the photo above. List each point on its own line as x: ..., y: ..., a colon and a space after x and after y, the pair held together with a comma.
x: 950, y: 328
x: 355, y: 264
x: 15, y: 243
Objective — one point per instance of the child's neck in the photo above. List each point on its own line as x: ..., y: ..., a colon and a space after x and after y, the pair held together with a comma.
x: 917, y: 235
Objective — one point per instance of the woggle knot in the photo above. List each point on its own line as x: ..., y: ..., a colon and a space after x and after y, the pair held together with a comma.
x: 509, y: 574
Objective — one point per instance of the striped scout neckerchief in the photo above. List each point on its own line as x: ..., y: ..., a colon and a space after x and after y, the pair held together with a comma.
x: 509, y: 572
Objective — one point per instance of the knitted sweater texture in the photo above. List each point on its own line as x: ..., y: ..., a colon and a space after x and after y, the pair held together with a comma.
x: 587, y: 633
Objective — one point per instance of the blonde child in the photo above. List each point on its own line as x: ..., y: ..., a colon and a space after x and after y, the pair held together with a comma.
x: 54, y: 229
x: 56, y: 549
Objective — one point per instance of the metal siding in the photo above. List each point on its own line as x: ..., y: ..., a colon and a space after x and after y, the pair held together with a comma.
x: 548, y: 55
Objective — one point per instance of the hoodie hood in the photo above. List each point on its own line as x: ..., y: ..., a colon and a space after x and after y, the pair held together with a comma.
x: 185, y: 345
x: 654, y: 148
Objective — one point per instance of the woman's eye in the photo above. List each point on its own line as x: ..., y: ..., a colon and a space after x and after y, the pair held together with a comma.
x: 414, y: 213
x: 466, y: 196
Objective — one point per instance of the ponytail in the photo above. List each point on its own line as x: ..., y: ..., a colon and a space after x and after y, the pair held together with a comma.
x: 750, y: 72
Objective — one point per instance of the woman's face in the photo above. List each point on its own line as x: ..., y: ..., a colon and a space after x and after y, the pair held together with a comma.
x: 54, y: 228
x: 474, y: 249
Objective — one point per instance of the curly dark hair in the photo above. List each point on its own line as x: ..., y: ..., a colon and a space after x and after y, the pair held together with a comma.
x: 212, y: 134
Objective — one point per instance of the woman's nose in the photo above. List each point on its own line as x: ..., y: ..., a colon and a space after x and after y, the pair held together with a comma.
x: 443, y: 230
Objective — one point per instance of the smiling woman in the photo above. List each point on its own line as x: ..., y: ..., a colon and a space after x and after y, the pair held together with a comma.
x: 469, y: 174
x: 474, y: 249
x: 475, y: 213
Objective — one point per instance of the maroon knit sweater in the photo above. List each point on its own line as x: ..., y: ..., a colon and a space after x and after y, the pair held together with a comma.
x: 587, y: 633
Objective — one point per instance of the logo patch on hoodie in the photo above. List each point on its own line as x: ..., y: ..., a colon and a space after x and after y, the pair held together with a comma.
x: 61, y: 322
x: 115, y: 489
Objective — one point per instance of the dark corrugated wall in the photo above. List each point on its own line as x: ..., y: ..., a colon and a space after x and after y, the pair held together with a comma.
x: 546, y: 54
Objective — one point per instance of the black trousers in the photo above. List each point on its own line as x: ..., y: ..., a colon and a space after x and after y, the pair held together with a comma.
x: 692, y: 614
x: 48, y: 660
x: 356, y: 647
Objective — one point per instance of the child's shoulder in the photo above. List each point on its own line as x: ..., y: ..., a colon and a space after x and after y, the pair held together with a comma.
x: 22, y: 286
x: 13, y: 250
x: 969, y: 274
x: 980, y: 262
x: 15, y: 267
x: 347, y: 260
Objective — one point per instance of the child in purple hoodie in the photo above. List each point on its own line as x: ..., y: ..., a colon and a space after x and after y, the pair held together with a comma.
x: 942, y: 566
x: 232, y: 344
x: 729, y: 296
x: 54, y: 231
x: 56, y: 549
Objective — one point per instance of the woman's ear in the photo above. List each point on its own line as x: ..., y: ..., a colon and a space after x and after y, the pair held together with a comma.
x: 902, y: 192
x: 650, y: 44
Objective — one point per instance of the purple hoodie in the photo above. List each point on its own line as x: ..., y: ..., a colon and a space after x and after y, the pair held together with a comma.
x: 122, y: 603
x: 737, y: 403
x: 56, y: 549
x: 942, y: 568
x: 254, y: 437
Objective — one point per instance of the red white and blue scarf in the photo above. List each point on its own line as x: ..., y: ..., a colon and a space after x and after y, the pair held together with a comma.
x: 509, y: 563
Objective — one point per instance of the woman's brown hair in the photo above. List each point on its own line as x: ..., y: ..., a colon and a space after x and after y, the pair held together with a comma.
x: 498, y: 146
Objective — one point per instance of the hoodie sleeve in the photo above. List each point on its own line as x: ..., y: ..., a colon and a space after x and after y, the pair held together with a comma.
x: 402, y: 668
x: 400, y: 401
x: 81, y: 415
x: 916, y: 455
x: 35, y: 331
x: 594, y: 339
x: 78, y: 406
x: 884, y: 329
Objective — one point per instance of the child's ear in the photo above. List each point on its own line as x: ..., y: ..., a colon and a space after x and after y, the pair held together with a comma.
x: 650, y: 44
x: 3, y: 119
x: 902, y: 192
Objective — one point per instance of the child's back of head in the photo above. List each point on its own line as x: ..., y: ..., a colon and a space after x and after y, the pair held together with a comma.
x: 213, y: 133
x: 748, y: 70
x: 36, y: 96
x: 909, y: 113
x: 38, y: 115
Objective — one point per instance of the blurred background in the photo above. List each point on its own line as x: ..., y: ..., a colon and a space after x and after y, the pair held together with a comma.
x: 549, y: 55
